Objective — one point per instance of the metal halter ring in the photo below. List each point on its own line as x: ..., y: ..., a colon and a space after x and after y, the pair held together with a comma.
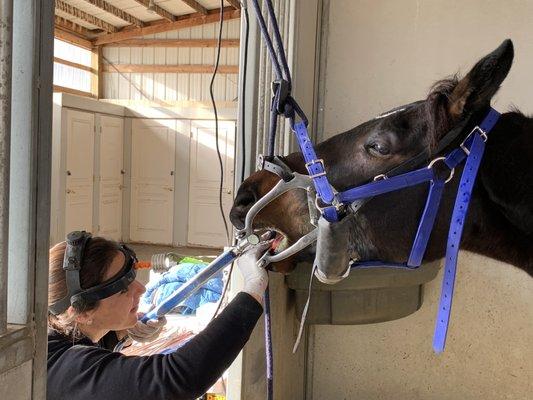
x: 380, y: 177
x: 430, y: 166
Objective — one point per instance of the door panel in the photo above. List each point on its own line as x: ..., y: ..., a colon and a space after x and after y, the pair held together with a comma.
x: 206, y: 226
x: 111, y: 177
x: 152, y: 180
x: 79, y: 171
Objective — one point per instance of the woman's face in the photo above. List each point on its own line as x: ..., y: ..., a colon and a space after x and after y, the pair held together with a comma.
x: 118, y: 311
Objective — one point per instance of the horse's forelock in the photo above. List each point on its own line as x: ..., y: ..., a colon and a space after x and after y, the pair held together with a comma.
x: 436, y: 109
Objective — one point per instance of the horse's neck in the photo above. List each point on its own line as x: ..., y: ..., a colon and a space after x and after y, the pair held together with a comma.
x: 489, y: 233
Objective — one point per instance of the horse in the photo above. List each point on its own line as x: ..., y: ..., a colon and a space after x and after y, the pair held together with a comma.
x: 499, y: 223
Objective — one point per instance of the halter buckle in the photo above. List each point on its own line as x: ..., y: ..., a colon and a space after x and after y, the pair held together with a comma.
x: 482, y: 134
x: 443, y: 159
x: 313, y: 162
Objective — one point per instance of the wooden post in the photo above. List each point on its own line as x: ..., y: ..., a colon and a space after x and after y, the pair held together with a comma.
x: 96, y: 77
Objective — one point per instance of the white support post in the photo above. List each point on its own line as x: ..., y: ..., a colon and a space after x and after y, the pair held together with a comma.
x: 6, y: 45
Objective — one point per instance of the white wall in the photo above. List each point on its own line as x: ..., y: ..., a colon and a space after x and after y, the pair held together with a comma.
x: 382, y: 54
x: 174, y: 86
x: 385, y: 53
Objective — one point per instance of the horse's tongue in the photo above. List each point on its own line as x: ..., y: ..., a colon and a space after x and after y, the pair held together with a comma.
x: 276, y: 242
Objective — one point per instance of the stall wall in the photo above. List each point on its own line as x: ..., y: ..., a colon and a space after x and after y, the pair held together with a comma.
x: 173, y: 87
x: 381, y: 54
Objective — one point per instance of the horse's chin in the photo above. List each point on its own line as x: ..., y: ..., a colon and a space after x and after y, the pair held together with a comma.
x: 283, y: 242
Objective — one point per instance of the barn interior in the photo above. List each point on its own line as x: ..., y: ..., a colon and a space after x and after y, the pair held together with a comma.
x: 109, y: 127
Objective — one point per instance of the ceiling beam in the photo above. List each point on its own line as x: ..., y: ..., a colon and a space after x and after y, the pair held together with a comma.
x: 235, y: 4
x: 72, y: 38
x: 117, y: 12
x: 175, y: 43
x: 71, y: 26
x: 77, y: 13
x: 185, y: 21
x: 196, y: 6
x: 158, y: 10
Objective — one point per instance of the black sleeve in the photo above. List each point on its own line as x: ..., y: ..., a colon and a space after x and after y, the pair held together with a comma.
x: 85, y: 372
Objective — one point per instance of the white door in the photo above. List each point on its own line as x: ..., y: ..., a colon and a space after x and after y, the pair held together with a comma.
x: 79, y: 171
x: 152, y: 180
x: 111, y: 177
x: 206, y: 226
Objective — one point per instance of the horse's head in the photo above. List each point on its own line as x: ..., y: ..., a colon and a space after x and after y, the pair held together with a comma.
x: 372, y: 148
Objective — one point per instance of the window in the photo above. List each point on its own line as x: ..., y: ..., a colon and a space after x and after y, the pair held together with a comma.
x: 72, y: 68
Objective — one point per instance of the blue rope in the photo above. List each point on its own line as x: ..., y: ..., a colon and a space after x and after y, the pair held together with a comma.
x: 268, y: 347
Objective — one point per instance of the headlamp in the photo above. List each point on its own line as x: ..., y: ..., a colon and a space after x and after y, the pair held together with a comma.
x: 76, y: 296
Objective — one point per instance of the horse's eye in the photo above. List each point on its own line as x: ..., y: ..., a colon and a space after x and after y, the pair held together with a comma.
x: 377, y: 149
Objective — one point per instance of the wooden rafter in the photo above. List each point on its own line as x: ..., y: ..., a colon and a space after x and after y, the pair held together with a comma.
x: 196, y: 6
x: 77, y: 92
x: 175, y: 43
x: 72, y: 38
x: 235, y: 4
x: 185, y: 21
x: 158, y: 68
x: 117, y: 12
x: 158, y: 10
x: 71, y: 26
x: 73, y: 64
x: 77, y: 13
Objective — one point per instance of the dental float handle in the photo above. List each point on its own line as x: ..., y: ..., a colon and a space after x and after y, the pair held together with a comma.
x: 193, y: 285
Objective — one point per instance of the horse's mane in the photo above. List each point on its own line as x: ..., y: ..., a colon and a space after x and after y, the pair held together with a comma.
x: 436, y: 109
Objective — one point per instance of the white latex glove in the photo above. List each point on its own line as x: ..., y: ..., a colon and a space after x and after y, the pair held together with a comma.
x: 146, y: 332
x: 255, y: 277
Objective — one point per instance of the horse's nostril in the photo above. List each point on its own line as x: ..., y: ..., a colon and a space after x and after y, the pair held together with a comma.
x: 245, y: 199
x: 243, y: 202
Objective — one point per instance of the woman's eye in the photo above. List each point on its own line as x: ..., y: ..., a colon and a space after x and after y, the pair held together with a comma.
x: 378, y: 149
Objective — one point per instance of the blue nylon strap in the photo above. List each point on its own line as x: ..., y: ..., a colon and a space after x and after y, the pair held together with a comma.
x: 426, y: 223
x: 387, y: 185
x: 314, y: 167
x: 455, y: 158
x: 490, y: 120
x: 454, y: 240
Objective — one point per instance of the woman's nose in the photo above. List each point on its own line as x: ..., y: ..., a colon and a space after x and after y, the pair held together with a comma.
x: 139, y: 287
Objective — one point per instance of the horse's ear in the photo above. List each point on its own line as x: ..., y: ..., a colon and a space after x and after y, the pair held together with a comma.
x: 476, y: 89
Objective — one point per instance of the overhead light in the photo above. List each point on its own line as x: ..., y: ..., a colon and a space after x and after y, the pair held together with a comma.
x: 151, y: 7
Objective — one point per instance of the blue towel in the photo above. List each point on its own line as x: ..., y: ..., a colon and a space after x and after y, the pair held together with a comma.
x: 167, y: 283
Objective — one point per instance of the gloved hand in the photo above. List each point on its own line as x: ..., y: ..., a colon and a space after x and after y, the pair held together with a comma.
x: 255, y: 277
x: 146, y: 332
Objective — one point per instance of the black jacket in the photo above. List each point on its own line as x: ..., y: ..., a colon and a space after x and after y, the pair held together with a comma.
x: 85, y: 371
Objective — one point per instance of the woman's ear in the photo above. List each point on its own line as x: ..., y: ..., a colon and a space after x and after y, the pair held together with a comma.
x: 84, y: 317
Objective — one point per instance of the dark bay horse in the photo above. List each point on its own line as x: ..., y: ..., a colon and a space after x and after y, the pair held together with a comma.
x: 500, y: 219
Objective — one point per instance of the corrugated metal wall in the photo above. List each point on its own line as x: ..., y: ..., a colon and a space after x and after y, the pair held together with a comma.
x: 174, y: 86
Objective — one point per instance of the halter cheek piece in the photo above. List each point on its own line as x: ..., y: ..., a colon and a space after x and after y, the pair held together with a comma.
x: 76, y: 296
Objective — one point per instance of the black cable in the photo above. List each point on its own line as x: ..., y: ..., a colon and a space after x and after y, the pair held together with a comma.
x: 219, y: 40
x: 243, y: 128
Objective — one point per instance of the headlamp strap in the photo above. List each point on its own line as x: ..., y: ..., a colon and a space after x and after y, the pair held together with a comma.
x: 76, y: 244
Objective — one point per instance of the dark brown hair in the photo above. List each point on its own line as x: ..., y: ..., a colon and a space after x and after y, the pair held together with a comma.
x: 99, y: 254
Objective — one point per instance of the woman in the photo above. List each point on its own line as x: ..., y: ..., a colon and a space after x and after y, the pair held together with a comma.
x: 92, y: 292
